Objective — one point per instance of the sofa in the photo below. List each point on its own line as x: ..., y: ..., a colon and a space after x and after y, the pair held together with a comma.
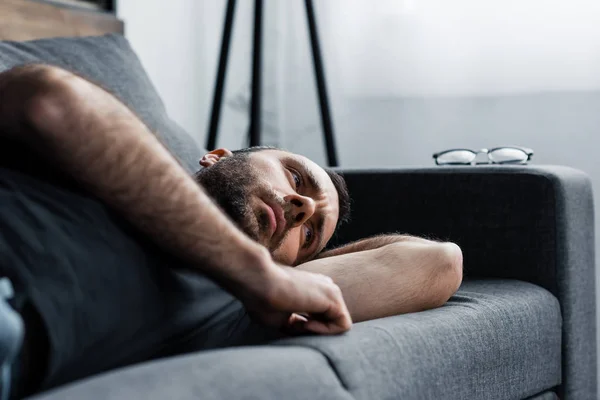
x: 521, y: 326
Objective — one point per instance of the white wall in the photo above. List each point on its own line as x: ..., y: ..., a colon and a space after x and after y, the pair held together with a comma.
x: 465, y: 47
x: 179, y: 41
x: 165, y: 36
x: 385, y: 58
x: 400, y: 50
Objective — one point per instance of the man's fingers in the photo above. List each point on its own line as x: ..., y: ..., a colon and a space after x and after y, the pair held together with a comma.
x: 300, y: 325
x: 316, y: 296
x: 335, y: 318
x: 325, y: 278
x: 338, y: 314
x: 324, y: 328
x: 296, y: 325
x: 339, y: 320
x: 297, y: 318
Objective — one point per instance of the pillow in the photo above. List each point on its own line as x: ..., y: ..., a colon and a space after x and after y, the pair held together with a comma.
x: 111, y: 62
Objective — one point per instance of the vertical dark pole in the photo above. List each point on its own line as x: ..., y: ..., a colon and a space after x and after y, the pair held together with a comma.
x: 321, y: 85
x: 215, y: 113
x: 111, y: 5
x: 256, y: 75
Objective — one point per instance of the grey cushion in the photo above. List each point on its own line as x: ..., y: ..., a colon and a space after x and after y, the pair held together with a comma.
x: 493, y: 340
x: 549, y: 395
x: 110, y: 61
x: 249, y: 373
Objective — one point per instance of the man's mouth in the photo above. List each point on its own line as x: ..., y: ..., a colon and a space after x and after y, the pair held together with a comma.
x: 276, y: 218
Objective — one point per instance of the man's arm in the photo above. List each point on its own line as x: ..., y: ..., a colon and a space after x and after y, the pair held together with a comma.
x: 98, y: 141
x: 392, y: 274
x: 371, y: 243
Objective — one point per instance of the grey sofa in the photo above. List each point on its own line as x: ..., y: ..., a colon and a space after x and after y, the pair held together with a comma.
x: 523, y: 324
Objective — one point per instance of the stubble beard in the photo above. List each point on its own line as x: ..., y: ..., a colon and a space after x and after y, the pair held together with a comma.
x: 231, y: 183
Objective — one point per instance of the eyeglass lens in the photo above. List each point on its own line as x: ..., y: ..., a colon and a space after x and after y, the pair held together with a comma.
x: 456, y: 157
x: 508, y: 155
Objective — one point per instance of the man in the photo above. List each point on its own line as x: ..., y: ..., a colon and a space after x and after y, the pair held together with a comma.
x: 287, y: 209
x: 292, y: 207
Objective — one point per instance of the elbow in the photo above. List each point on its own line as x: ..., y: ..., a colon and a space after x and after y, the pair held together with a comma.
x: 47, y: 98
x: 449, y: 273
x: 454, y: 265
x: 22, y: 90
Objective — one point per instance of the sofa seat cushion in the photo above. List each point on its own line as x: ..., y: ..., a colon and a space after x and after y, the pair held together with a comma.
x: 493, y: 340
x: 261, y: 372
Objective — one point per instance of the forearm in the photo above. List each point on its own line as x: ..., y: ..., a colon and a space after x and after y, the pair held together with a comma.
x: 98, y: 141
x: 373, y: 242
x: 401, y: 277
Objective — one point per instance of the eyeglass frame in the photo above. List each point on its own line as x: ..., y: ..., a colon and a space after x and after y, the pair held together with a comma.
x: 527, y: 151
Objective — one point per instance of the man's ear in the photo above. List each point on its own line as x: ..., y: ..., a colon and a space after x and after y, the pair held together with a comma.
x: 213, y: 157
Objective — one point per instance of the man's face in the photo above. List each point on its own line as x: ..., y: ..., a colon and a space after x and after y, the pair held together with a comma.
x: 282, y: 200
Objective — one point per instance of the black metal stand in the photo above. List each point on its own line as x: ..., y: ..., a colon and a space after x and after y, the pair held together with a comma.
x: 255, y: 101
x: 215, y: 112
x: 254, y: 131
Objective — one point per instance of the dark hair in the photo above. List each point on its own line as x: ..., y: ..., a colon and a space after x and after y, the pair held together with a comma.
x: 254, y: 149
x: 336, y: 178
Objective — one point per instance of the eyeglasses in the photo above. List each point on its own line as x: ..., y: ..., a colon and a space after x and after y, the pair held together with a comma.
x: 497, y: 155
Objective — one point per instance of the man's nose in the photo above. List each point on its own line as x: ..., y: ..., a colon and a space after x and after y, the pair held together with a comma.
x: 301, y: 209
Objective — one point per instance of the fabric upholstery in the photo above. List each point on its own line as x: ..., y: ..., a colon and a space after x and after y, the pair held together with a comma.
x: 111, y: 62
x: 533, y: 223
x: 250, y: 373
x: 544, y: 396
x: 493, y: 340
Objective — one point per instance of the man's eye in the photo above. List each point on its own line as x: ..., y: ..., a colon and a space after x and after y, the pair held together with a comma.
x: 297, y: 180
x: 308, y: 237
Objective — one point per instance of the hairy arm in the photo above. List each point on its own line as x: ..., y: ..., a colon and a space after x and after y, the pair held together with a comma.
x: 392, y: 274
x: 97, y: 140
x: 100, y: 143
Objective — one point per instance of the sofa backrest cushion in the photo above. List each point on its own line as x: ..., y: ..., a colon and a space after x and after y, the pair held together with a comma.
x: 110, y: 62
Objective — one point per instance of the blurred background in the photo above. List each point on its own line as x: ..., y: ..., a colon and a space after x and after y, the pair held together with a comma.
x: 406, y: 78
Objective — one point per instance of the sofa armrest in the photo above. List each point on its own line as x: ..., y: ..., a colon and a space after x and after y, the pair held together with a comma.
x: 532, y: 223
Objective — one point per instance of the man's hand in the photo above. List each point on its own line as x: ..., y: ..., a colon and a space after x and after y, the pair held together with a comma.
x: 300, y: 301
x: 290, y: 300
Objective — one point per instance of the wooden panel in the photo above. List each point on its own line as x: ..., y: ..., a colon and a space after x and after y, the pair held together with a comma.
x: 28, y: 20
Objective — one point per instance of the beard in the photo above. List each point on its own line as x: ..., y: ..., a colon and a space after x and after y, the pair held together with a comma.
x: 231, y: 183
